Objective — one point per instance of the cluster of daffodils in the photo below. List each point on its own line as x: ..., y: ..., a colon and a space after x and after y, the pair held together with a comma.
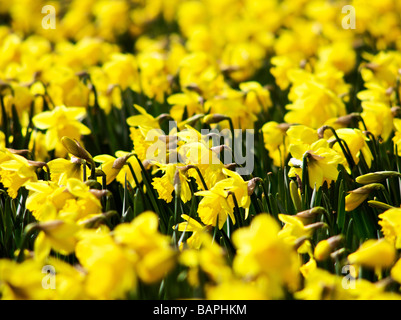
x: 204, y: 149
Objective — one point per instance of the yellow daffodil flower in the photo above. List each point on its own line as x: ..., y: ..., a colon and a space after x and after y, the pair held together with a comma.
x: 374, y: 254
x: 15, y: 172
x: 155, y: 255
x: 117, y: 168
x: 60, y: 122
x: 261, y: 252
x: 390, y: 222
x: 322, y: 162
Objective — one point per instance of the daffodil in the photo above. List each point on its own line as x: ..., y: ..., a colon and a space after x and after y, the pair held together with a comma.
x: 15, y: 172
x: 294, y: 230
x: 85, y: 202
x: 231, y: 104
x: 65, y: 87
x: 378, y: 118
x: 374, y: 254
x: 299, y: 134
x: 189, y: 101
x: 257, y: 98
x: 356, y: 142
x: 46, y: 199
x: 154, y: 79
x: 274, y: 137
x: 313, y: 103
x: 58, y: 235
x: 322, y: 162
x: 62, y: 169
x: 261, y: 252
x: 396, y: 271
x: 167, y: 183
x: 240, y: 188
x: 340, y: 55
x: 281, y: 65
x: 205, y: 159
x: 215, y: 206
x: 60, y: 122
x: 155, y: 255
x: 110, y: 268
x: 118, y: 169
x: 390, y: 222
x: 209, y: 258
x: 22, y: 281
x: 323, y: 285
x: 122, y: 70
x: 382, y: 68
x: 357, y: 196
x: 236, y: 289
x: 69, y: 280
x: 193, y: 226
x: 325, y: 247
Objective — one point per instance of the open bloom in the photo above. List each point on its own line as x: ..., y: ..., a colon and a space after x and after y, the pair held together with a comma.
x: 236, y: 184
x: 58, y: 235
x: 313, y: 103
x: 59, y: 122
x: 15, y: 172
x: 322, y: 162
x: 193, y: 226
x: 262, y: 253
x: 390, y: 221
x: 356, y: 142
x: 62, y: 169
x: 118, y: 169
x: 166, y: 184
x: 215, y: 206
x: 155, y: 255
x: 109, y: 267
x: 274, y: 137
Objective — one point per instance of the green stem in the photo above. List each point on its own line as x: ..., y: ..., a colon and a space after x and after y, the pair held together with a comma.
x: 344, y: 148
x: 237, y: 212
x: 29, y: 230
x: 305, y: 181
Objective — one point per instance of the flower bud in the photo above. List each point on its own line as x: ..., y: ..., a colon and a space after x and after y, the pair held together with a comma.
x: 310, y: 215
x: 214, y: 118
x: 294, y: 192
x: 75, y: 148
x: 177, y: 183
x: 374, y: 254
x: 325, y: 247
x: 93, y: 184
x: 375, y: 177
x: 379, y: 205
x: 121, y: 161
x: 357, y: 196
